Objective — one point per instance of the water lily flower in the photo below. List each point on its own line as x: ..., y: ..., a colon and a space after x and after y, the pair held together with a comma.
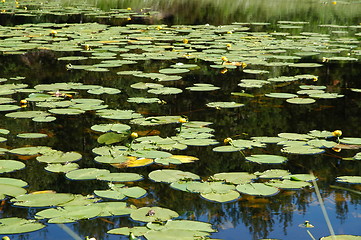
x: 185, y: 41
x: 224, y: 59
x: 228, y: 140
x: 53, y: 33
x: 23, y: 102
x: 129, y: 9
x: 134, y: 135
x: 182, y: 120
x: 337, y: 133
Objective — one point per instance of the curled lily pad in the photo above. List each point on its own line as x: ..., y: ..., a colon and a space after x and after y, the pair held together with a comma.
x: 15, y: 225
x: 10, y: 190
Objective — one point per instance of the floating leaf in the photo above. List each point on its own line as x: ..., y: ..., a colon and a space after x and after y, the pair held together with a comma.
x: 57, y: 167
x: 10, y: 190
x: 257, y: 189
x: 86, y: 173
x: 235, y: 177
x: 170, y: 175
x: 281, y: 95
x: 120, y: 177
x: 151, y: 214
x: 14, y: 225
x: 224, y: 104
x: 42, y: 199
x: 59, y: 157
x: 288, y: 184
x: 221, y: 197
x: 349, y: 179
x: 266, y: 158
x: 10, y: 165
x: 301, y: 100
x: 31, y: 135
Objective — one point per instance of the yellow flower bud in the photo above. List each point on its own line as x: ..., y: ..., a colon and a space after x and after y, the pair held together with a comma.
x: 129, y: 9
x: 134, y: 135
x: 182, y: 120
x: 185, y: 41
x: 228, y: 140
x: 334, y: 2
x: 23, y: 101
x: 225, y: 59
x: 337, y: 133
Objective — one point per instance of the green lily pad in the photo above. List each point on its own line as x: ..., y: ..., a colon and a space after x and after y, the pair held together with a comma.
x: 42, y: 199
x: 165, y: 90
x: 273, y: 173
x: 86, y: 173
x: 349, y: 179
x: 151, y: 214
x: 120, y: 177
x: 143, y: 100
x: 13, y: 182
x: 301, y: 100
x: 224, y: 104
x: 10, y: 166
x: 8, y: 107
x: 111, y: 137
x: 66, y: 111
x: 257, y: 189
x: 29, y: 151
x: 104, y: 90
x: 266, y: 158
x: 235, y: 177
x: 203, y: 87
x: 136, y: 231
x: 151, y: 154
x: 15, y: 225
x: 170, y: 175
x: 59, y: 157
x: 173, y: 70
x: 289, y: 184
x: 121, y: 193
x: 57, y: 167
x: 300, y: 177
x: 118, y: 114
x: 209, y: 187
x: 351, y: 140
x: 118, y: 127
x: 31, y: 135
x: 281, y: 95
x: 221, y: 197
x: 10, y: 190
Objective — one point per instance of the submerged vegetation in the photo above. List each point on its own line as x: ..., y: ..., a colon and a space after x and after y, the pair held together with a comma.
x: 124, y: 121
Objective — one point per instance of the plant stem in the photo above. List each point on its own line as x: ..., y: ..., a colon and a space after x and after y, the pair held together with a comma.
x: 322, y: 205
x: 309, y: 233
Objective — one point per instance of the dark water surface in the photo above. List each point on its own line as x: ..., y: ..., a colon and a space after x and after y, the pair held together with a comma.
x: 249, y: 217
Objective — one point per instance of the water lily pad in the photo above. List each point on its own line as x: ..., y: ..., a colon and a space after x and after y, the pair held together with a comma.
x: 289, y: 184
x: 86, y: 173
x: 165, y: 90
x: 10, y: 190
x: 351, y: 140
x: 281, y: 95
x: 143, y: 100
x: 118, y: 127
x: 66, y: 111
x: 203, y: 87
x: 151, y: 214
x: 266, y: 158
x: 301, y: 100
x: 235, y: 177
x: 112, y: 137
x: 199, y: 142
x: 349, y: 179
x: 170, y: 175
x: 15, y: 225
x: 137, y: 231
x: 42, y: 199
x: 31, y: 135
x: 224, y: 104
x: 10, y: 166
x: 209, y: 187
x: 120, y: 177
x: 118, y: 114
x: 57, y: 167
x: 8, y: 107
x: 221, y: 197
x: 121, y: 193
x: 31, y: 150
x: 257, y: 189
x: 59, y: 157
x: 341, y: 237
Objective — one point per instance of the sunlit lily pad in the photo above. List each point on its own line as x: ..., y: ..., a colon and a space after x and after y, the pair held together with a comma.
x: 170, y: 175
x: 234, y: 177
x: 10, y: 165
x: 202, y: 87
x: 281, y: 95
x: 8, y: 107
x: 221, y: 197
x: 15, y: 225
x: 151, y: 214
x: 349, y: 179
x: 165, y: 90
x: 137, y: 231
x: 120, y: 177
x: 266, y: 158
x: 31, y: 150
x: 31, y: 135
x: 59, y: 157
x: 121, y: 193
x: 301, y: 100
x: 143, y: 100
x: 289, y: 184
x: 341, y: 237
x: 118, y: 114
x: 224, y: 104
x: 10, y: 190
x: 42, y: 199
x: 118, y: 127
x: 273, y: 173
x: 66, y: 111
x: 300, y: 177
x: 199, y: 142
x: 112, y: 137
x: 257, y: 189
x: 351, y: 140
x: 210, y: 187
x: 57, y: 167
x: 86, y: 173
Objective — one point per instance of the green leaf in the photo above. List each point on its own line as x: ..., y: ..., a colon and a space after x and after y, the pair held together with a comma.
x: 59, y: 157
x: 235, y: 177
x: 257, y: 189
x: 14, y: 225
x: 349, y: 179
x: 10, y: 165
x: 120, y: 177
x: 221, y: 197
x: 151, y: 214
x: 86, y: 173
x: 42, y: 199
x: 266, y: 158
x: 170, y: 175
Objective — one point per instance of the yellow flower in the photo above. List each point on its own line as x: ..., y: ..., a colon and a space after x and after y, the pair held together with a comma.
x: 224, y: 59
x: 307, y: 224
x: 53, y: 33
x: 134, y: 135
x: 129, y: 9
x: 182, y: 120
x: 185, y: 41
x: 23, y: 101
x: 229, y: 45
x: 334, y: 2
x: 244, y: 65
x: 337, y: 133
x: 228, y: 140
x: 224, y: 71
x: 129, y: 18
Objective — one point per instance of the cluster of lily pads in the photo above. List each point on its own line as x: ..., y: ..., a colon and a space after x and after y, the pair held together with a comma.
x: 101, y: 48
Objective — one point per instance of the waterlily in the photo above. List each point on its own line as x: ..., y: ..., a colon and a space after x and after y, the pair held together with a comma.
x: 134, y: 135
x: 182, y: 120
x: 228, y: 140
x: 337, y: 133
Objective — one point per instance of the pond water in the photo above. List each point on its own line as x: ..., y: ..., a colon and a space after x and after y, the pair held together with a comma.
x: 157, y: 117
